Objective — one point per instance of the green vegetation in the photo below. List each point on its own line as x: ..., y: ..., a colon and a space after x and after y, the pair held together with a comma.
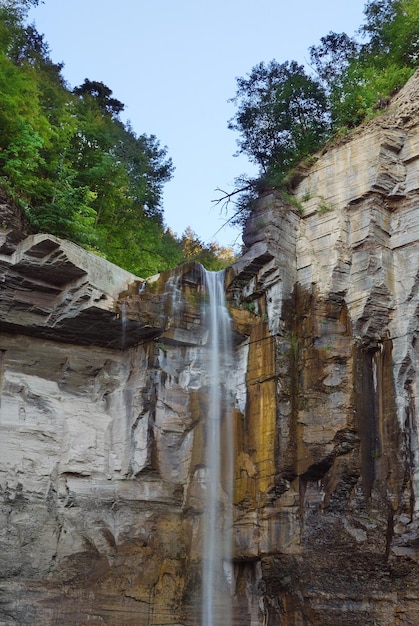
x: 281, y: 116
x: 75, y: 168
x: 285, y: 114
x: 81, y: 173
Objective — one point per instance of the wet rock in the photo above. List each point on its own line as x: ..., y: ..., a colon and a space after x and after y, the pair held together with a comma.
x: 104, y: 401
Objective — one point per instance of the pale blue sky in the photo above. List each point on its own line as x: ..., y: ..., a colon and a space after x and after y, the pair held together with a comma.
x: 173, y: 63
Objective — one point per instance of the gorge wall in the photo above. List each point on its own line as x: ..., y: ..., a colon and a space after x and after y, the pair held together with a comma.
x: 103, y: 401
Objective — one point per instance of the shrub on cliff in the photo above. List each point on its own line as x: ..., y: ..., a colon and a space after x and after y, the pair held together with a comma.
x: 381, y: 66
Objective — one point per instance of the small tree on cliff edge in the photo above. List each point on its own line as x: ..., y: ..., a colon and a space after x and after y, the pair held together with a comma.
x: 281, y: 116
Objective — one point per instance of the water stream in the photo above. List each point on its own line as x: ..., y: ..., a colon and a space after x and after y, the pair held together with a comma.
x: 217, y: 544
x: 124, y: 321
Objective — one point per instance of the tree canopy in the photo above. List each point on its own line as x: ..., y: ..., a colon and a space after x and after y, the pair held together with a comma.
x: 285, y: 113
x: 75, y: 167
x: 102, y: 96
x: 281, y: 114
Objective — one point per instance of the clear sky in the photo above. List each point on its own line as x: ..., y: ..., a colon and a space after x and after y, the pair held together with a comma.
x: 173, y: 63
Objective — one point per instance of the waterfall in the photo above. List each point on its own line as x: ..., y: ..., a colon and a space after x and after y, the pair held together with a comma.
x: 174, y: 294
x: 217, y: 525
x: 124, y: 320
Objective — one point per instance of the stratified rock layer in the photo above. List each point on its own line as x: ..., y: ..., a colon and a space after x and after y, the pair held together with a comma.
x: 103, y: 406
x: 327, y: 471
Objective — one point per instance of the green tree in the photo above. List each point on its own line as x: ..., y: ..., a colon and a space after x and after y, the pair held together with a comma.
x: 102, y: 96
x: 332, y: 56
x: 281, y: 115
x: 24, y: 127
x: 79, y: 171
x: 392, y: 28
x: 212, y: 256
x: 126, y: 173
x: 381, y: 66
x: 37, y: 124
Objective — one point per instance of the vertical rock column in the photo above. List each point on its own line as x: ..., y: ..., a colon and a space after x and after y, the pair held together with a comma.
x: 260, y: 289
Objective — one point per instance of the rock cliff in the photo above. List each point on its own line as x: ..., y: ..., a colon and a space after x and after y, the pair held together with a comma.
x: 103, y: 401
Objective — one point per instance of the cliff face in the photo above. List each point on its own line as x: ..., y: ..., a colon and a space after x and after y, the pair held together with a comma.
x: 103, y: 401
x: 331, y: 421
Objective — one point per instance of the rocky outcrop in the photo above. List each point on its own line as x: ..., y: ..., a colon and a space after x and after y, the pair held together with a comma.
x: 56, y: 290
x: 103, y: 405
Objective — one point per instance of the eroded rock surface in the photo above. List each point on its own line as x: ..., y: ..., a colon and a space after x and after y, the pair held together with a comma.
x: 103, y: 405
x: 330, y: 425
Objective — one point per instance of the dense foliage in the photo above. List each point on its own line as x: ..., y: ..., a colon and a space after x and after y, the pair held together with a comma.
x: 285, y: 114
x: 78, y: 171
x: 281, y: 115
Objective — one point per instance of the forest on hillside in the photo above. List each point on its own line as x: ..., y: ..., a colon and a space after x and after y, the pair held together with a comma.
x: 79, y: 172
x: 75, y: 168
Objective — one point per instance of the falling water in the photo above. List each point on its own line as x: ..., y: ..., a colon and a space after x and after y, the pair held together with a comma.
x: 124, y: 320
x: 174, y: 295
x: 216, y: 572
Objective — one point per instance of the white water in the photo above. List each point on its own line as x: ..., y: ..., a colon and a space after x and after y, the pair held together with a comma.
x: 124, y: 322
x: 217, y: 568
x: 174, y: 294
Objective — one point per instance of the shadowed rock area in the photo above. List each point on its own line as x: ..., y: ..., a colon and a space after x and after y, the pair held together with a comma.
x: 103, y: 402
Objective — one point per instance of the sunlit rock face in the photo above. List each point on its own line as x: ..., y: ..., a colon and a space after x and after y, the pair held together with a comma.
x: 327, y: 449
x: 104, y: 401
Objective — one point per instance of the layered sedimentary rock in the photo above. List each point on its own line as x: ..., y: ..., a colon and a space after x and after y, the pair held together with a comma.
x: 96, y: 429
x: 327, y: 523
x: 103, y: 406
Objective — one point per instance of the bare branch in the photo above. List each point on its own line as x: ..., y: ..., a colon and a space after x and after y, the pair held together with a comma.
x: 227, y: 197
x: 230, y: 197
